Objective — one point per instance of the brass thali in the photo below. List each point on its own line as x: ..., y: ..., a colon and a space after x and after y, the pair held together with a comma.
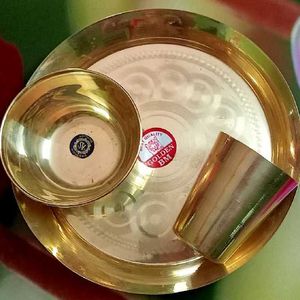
x: 191, y: 77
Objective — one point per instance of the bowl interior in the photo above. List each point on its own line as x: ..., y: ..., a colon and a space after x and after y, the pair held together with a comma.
x: 70, y: 138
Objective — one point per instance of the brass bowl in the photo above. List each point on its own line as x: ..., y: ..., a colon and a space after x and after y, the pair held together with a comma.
x: 70, y: 138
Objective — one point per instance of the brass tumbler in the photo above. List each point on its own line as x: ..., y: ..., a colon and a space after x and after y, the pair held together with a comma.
x: 234, y: 192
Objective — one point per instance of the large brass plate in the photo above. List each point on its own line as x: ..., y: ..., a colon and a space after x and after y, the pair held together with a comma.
x: 127, y: 244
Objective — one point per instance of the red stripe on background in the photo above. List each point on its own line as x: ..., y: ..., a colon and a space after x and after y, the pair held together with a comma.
x: 11, y: 82
x: 276, y: 15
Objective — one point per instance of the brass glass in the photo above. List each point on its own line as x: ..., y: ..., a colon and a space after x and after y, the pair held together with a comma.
x: 235, y: 191
x: 181, y: 28
x: 29, y: 139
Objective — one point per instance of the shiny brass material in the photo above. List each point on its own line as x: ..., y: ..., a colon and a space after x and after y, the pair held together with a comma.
x: 235, y: 191
x: 70, y: 138
x: 51, y: 226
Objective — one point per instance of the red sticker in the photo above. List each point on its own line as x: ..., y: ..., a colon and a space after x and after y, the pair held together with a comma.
x: 158, y: 147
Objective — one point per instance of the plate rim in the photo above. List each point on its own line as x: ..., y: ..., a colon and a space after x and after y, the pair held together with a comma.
x: 261, y: 64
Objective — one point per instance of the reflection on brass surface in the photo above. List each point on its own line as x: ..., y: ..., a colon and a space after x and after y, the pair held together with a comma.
x: 235, y: 191
x: 70, y: 138
x: 200, y: 33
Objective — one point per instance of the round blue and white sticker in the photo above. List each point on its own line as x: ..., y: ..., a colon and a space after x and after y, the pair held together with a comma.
x: 82, y: 146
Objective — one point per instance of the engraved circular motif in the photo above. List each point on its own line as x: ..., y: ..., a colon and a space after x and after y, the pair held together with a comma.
x: 193, y: 95
x: 140, y: 83
x: 174, y: 83
x: 153, y: 219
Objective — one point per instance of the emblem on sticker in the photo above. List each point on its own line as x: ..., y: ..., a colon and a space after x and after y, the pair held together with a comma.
x: 158, y: 147
x: 82, y: 145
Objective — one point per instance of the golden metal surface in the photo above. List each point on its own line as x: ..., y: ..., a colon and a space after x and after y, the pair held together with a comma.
x: 52, y: 227
x: 38, y: 131
x: 235, y: 191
